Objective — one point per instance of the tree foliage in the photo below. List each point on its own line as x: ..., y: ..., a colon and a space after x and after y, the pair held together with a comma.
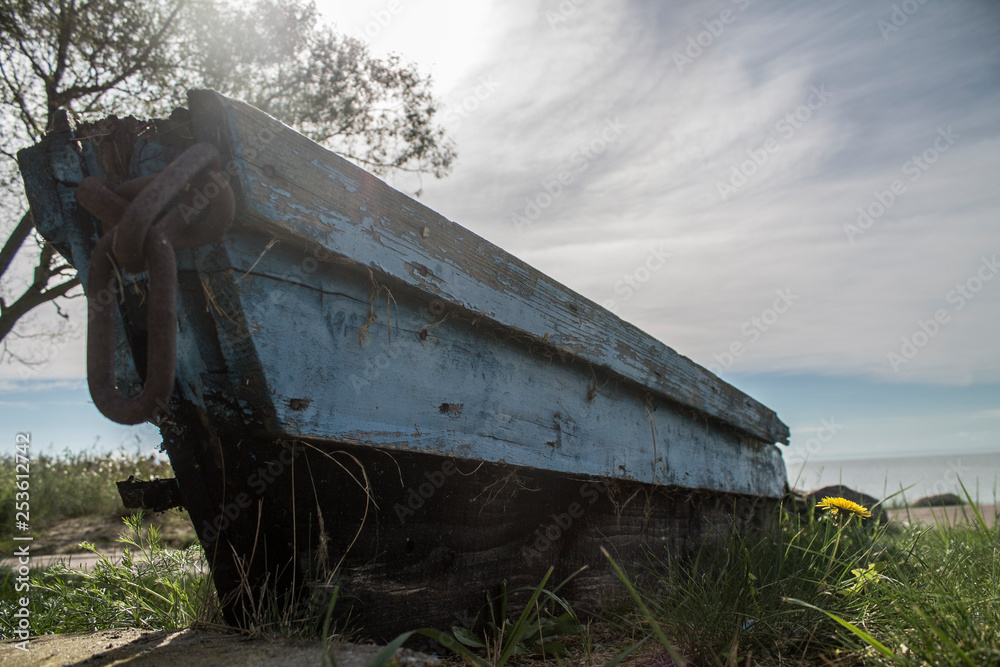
x: 278, y: 57
x: 100, y: 57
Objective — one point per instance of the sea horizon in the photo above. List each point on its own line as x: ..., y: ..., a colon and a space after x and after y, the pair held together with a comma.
x: 920, y: 475
x: 878, y: 475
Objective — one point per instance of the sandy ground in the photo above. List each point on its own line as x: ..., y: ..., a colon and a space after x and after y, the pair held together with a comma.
x: 186, y: 648
x: 84, y: 561
x: 65, y: 536
x: 944, y: 515
x: 60, y: 542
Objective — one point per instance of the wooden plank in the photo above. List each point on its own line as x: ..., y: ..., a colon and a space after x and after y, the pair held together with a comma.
x: 411, y: 381
x: 292, y: 187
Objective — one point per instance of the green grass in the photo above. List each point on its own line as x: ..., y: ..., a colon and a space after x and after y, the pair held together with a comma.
x: 816, y: 590
x: 821, y: 591
x: 150, y: 588
x: 69, y: 485
x: 538, y: 630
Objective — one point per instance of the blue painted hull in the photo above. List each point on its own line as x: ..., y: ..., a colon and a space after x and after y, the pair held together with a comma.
x: 369, y: 396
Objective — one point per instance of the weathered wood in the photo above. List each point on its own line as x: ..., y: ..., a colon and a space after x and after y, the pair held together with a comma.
x: 412, y: 380
x: 383, y: 401
x: 292, y: 187
x: 155, y: 495
x: 413, y: 540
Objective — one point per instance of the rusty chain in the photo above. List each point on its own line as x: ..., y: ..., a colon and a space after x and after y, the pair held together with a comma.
x: 144, y: 221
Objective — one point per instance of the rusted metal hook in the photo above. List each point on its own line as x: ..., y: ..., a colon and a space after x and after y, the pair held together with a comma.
x: 136, y: 236
x: 161, y: 350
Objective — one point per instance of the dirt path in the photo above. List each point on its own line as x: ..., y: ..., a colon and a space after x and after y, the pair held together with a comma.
x: 60, y: 542
x: 186, y: 648
x: 84, y: 561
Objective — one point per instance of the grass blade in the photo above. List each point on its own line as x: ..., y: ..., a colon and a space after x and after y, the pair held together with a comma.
x: 385, y: 656
x: 864, y: 636
x: 943, y: 637
x: 327, y: 651
x: 654, y: 625
x: 629, y: 651
x: 521, y: 626
x: 975, y: 508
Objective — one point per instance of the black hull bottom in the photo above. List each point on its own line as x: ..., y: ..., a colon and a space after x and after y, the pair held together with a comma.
x: 416, y: 540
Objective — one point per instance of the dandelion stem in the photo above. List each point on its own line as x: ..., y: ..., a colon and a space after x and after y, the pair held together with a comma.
x: 836, y: 546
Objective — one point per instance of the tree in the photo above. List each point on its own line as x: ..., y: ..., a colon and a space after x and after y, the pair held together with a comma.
x: 100, y: 57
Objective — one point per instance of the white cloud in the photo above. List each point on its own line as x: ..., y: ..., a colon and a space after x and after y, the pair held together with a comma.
x: 657, y: 183
x: 52, y: 357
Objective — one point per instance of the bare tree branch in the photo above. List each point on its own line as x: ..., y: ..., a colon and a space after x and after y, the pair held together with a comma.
x: 106, y: 56
x: 31, y: 299
x: 15, y: 241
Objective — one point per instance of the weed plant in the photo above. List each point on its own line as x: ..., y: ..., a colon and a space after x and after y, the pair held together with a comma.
x: 537, y: 631
x: 150, y: 588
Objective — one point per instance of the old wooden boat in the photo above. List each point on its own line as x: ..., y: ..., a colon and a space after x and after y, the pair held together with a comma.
x: 369, y: 396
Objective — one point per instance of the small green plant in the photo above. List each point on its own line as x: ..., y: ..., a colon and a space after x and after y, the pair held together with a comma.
x: 537, y: 630
x: 306, y: 613
x: 539, y: 635
x: 647, y: 615
x: 152, y: 587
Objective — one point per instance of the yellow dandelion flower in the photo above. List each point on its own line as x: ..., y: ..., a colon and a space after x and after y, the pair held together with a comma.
x: 849, y: 506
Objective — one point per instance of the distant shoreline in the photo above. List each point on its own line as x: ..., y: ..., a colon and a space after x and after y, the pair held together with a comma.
x: 897, y: 457
x: 919, y: 475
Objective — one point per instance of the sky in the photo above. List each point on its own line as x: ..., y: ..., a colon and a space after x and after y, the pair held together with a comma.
x: 802, y: 197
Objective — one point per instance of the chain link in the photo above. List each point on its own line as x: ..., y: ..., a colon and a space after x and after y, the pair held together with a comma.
x: 144, y: 221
